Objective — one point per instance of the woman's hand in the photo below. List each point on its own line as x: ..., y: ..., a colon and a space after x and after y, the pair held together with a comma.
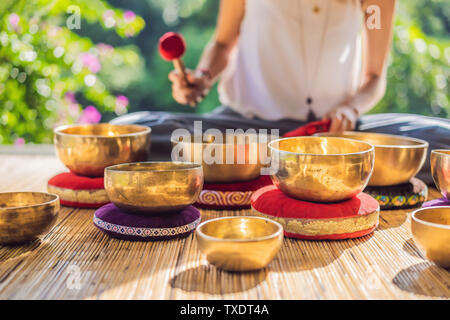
x: 343, y: 118
x: 191, y: 92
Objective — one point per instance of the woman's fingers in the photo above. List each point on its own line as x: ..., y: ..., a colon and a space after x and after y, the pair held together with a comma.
x: 336, y: 121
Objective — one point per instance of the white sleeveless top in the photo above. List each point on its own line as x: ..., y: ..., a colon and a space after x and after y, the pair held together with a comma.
x: 266, y: 74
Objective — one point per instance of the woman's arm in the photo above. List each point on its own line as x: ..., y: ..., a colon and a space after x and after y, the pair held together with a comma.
x: 376, y: 47
x: 215, y: 55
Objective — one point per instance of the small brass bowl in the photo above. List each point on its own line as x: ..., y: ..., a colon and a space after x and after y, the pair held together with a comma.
x: 153, y: 187
x: 24, y: 216
x: 397, y: 158
x: 321, y: 169
x: 239, y: 157
x: 240, y: 243
x: 431, y: 230
x: 88, y: 149
x: 440, y: 169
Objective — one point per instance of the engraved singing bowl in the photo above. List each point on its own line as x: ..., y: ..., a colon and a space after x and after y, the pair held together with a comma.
x: 321, y: 169
x: 397, y: 158
x: 440, y: 169
x: 431, y: 231
x: 240, y: 243
x: 153, y: 187
x: 25, y: 216
x: 239, y: 157
x: 88, y: 149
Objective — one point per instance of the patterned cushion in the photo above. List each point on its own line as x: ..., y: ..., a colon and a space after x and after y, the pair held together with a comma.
x: 232, y: 196
x: 78, y: 191
x: 118, y: 224
x: 308, y: 220
x: 402, y: 196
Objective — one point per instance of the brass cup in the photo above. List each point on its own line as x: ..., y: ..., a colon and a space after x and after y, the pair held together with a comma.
x: 321, y: 169
x: 88, y: 149
x: 25, y: 216
x: 440, y: 169
x: 240, y: 243
x: 153, y: 187
x: 431, y: 230
x: 397, y: 158
x: 239, y: 157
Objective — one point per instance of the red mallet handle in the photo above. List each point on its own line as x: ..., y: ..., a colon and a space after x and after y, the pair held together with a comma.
x: 171, y: 48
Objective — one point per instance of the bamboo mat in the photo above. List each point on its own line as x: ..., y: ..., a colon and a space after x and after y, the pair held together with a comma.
x: 76, y: 261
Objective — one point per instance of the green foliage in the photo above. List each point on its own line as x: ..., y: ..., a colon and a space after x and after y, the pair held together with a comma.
x: 34, y: 86
x: 41, y: 61
x: 419, y: 67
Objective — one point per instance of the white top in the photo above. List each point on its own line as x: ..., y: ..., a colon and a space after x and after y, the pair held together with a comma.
x: 266, y: 75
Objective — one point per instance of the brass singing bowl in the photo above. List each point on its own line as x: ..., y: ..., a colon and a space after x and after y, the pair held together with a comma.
x: 153, y: 187
x: 440, y: 169
x: 431, y: 231
x: 397, y: 158
x: 321, y: 169
x: 88, y: 149
x: 25, y: 216
x: 240, y: 243
x: 239, y: 157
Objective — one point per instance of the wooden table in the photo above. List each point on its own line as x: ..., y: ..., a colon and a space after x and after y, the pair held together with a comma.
x: 76, y: 261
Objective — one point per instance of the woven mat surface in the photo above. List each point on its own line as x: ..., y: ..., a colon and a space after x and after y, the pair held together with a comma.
x: 76, y: 261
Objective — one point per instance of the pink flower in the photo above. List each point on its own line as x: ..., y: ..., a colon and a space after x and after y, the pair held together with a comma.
x: 108, y: 14
x: 74, y: 110
x: 90, y: 115
x: 129, y: 15
x: 14, y: 19
x: 19, y: 142
x: 91, y: 62
x: 122, y: 101
x: 105, y: 48
x: 70, y: 96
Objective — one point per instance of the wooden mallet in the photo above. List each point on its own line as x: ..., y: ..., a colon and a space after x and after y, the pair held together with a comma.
x: 171, y: 48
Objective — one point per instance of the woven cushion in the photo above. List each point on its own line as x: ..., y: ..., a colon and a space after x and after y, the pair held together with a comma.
x: 231, y: 196
x: 78, y: 191
x: 308, y: 220
x: 402, y: 196
x: 118, y: 224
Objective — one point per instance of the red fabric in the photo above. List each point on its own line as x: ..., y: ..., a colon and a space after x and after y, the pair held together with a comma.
x: 310, y: 128
x: 271, y: 201
x: 251, y: 185
x: 69, y: 180
x: 81, y: 205
x: 341, y: 236
x: 171, y: 46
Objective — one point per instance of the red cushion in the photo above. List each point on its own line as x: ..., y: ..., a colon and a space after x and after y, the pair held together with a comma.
x: 308, y: 220
x: 69, y: 180
x: 232, y: 196
x: 78, y: 191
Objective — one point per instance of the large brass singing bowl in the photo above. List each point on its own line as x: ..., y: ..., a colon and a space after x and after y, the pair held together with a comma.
x: 397, y: 158
x: 240, y: 243
x: 321, y: 169
x: 239, y: 157
x: 88, y: 149
x: 431, y: 230
x: 153, y: 187
x: 440, y: 169
x: 25, y: 216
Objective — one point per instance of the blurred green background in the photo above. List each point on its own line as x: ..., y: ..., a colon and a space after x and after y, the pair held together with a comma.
x: 52, y: 75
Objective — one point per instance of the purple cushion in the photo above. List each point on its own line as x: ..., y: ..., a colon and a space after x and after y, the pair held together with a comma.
x: 436, y: 203
x: 118, y: 224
